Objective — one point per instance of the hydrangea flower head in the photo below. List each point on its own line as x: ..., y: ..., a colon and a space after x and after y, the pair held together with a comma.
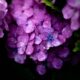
x: 33, y: 32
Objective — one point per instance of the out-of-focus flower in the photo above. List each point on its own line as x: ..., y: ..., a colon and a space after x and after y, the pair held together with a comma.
x: 3, y: 8
x: 57, y: 56
x: 41, y: 69
x: 3, y: 12
x: 72, y: 11
x: 74, y: 3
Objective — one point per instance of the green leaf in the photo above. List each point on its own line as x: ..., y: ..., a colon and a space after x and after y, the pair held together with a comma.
x: 49, y: 4
x: 77, y: 47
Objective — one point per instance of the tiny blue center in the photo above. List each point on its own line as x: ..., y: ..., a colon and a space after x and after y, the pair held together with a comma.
x: 50, y: 38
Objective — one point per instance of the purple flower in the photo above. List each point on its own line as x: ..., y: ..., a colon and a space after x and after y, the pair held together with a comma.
x: 41, y: 69
x: 57, y: 63
x: 20, y: 58
x: 74, y: 3
x: 3, y: 12
x: 72, y: 11
x: 3, y: 8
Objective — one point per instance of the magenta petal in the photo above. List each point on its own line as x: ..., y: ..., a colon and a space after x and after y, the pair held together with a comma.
x: 41, y: 69
x: 75, y: 25
x: 57, y: 63
x: 67, y: 12
x: 74, y: 3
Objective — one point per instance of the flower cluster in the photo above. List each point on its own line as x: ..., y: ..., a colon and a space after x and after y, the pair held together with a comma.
x: 33, y: 32
x: 56, y: 59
